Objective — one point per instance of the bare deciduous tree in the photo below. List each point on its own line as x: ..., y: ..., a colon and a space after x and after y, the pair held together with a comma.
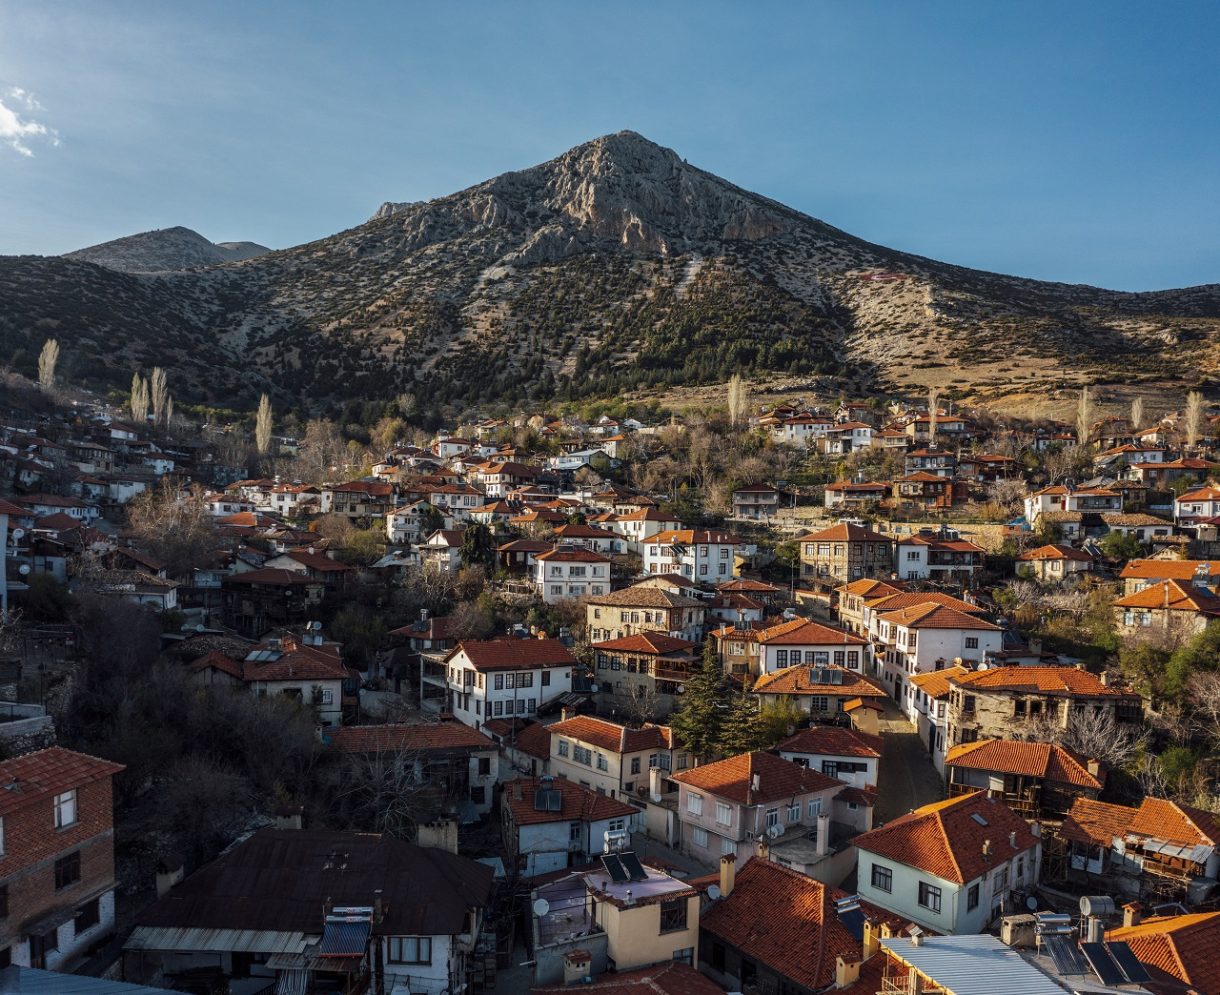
x: 1084, y: 417
x: 138, y: 402
x: 47, y: 361
x: 1193, y: 420
x: 172, y: 527
x: 737, y: 400
x: 262, y: 425
x: 384, y: 790
x: 158, y: 387
x: 1137, y: 414
x: 933, y: 414
x: 1094, y: 735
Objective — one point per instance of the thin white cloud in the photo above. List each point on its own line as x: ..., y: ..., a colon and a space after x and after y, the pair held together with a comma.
x: 17, y: 129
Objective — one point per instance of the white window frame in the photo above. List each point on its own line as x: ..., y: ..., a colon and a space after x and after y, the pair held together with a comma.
x: 65, y: 809
x: 694, y: 803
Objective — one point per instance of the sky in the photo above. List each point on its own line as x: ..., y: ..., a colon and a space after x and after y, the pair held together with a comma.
x: 1062, y: 141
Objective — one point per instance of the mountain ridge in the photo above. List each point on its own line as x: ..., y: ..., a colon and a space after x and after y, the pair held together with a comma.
x: 615, y: 266
x: 165, y: 249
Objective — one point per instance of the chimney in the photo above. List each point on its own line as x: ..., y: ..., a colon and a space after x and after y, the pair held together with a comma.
x: 986, y: 848
x: 823, y: 842
x: 1094, y: 767
x: 763, y: 849
x: 170, y: 871
x: 378, y: 906
x: 1012, y: 838
x: 577, y: 965
x: 442, y: 834
x: 869, y: 944
x: 1095, y: 930
x: 1133, y: 914
x: 655, y: 786
x: 564, y: 714
x: 847, y: 972
x: 887, y: 932
x: 516, y: 791
x: 728, y: 874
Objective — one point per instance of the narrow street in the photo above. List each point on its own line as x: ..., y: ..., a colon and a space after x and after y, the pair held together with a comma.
x: 907, y: 776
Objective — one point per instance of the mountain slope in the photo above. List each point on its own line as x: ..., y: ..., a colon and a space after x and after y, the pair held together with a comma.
x: 615, y: 267
x: 165, y: 249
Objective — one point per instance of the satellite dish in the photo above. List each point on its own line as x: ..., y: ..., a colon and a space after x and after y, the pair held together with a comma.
x: 18, y: 533
x: 23, y: 569
x: 201, y: 627
x: 542, y: 907
x: 1031, y: 903
x: 776, y: 831
x: 713, y: 892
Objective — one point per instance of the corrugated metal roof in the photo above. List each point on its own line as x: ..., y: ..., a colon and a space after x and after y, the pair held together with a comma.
x: 29, y: 981
x: 972, y: 965
x: 189, y: 938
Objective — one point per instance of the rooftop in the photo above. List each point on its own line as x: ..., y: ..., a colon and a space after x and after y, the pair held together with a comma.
x: 45, y: 773
x: 755, y: 779
x: 1045, y: 760
x: 971, y: 965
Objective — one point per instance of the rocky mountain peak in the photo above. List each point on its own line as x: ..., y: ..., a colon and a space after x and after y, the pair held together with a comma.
x: 165, y: 250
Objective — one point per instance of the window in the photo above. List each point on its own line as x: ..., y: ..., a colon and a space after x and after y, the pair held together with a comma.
x: 65, y: 809
x: 574, y: 827
x: 929, y: 896
x: 972, y: 897
x: 582, y: 755
x: 883, y: 878
x: 67, y: 870
x: 968, y: 704
x: 1018, y: 708
x: 819, y: 703
x: 1020, y: 869
x: 546, y: 678
x: 685, y: 956
x: 794, y: 812
x: 616, y: 825
x: 1001, y: 880
x: 673, y: 915
x: 727, y: 846
x: 772, y: 817
x: 602, y: 762
x: 699, y: 837
x: 972, y: 642
x: 815, y: 807
x: 484, y: 766
x: 694, y: 804
x: 3, y: 901
x: 781, y: 658
x: 410, y: 950
x: 724, y: 814
x: 499, y: 707
x: 88, y: 916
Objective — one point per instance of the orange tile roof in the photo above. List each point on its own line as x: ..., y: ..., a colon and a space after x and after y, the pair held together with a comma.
x: 1046, y: 760
x: 798, y: 680
x: 908, y: 599
x: 35, y: 776
x: 1182, y: 946
x: 1208, y: 493
x: 433, y: 736
x: 533, y: 738
x: 787, y: 921
x: 613, y: 737
x: 945, y: 840
x: 579, y: 803
x: 573, y: 554
x: 513, y: 654
x: 648, y: 643
x: 802, y: 632
x: 868, y: 588
x: 1174, y: 596
x: 845, y: 532
x: 1166, y: 820
x: 777, y: 779
x: 933, y: 616
x: 744, y: 584
x: 1056, y: 551
x: 687, y: 537
x: 1147, y: 569
x: 1047, y: 680
x: 1089, y: 821
x: 935, y: 683
x: 832, y: 741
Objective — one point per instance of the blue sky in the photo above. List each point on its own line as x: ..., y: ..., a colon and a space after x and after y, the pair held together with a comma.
x: 1077, y: 142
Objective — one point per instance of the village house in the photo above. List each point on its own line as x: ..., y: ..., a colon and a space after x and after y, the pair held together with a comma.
x: 404, y: 525
x: 57, y: 879
x: 844, y: 553
x: 943, y: 557
x: 614, y: 920
x: 1038, y: 781
x: 850, y: 756
x: 456, y: 501
x: 816, y: 945
x: 1174, y: 949
x: 700, y: 555
x: 1173, y: 609
x: 760, y: 502
x: 643, y: 674
x: 929, y: 636
x: 638, y: 527
x: 551, y: 823
x: 1006, y: 702
x: 729, y: 805
x: 846, y: 437
x: 611, y: 758
x: 258, y: 600
x: 503, y: 678
x: 457, y: 763
x: 497, y: 479
x: 927, y: 708
x: 1054, y: 563
x: 731, y: 606
x: 849, y: 496
x: 921, y: 428
x: 950, y: 866
x: 302, y: 910
x: 1141, y: 573
x: 923, y: 491
x: 850, y: 600
x: 571, y: 572
x: 1197, y: 504
x: 642, y: 608
x: 938, y: 462
x: 591, y: 538
x: 801, y: 641
x: 822, y: 692
x: 316, y: 566
x: 442, y: 551
x: 1160, y: 851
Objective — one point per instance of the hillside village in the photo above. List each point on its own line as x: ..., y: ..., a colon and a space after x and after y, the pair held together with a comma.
x: 842, y: 694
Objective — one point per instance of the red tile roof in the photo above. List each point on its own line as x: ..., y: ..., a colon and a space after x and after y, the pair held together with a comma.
x: 869, y: 588
x: 832, y: 741
x: 649, y: 644
x: 1182, y: 946
x: 1047, y: 680
x: 579, y: 803
x: 271, y: 577
x: 933, y: 616
x: 434, y: 736
x: 318, y: 562
x: 802, y: 632
x: 745, y: 585
x: 799, y: 680
x: 844, y: 532
x: 1146, y: 569
x: 513, y: 654
x: 1056, y: 551
x: 1046, y: 760
x: 1089, y: 821
x: 688, y: 537
x: 786, y: 921
x: 613, y: 737
x: 945, y: 840
x: 909, y: 599
x: 573, y: 554
x: 36, y: 776
x: 935, y: 683
x: 777, y: 779
x: 1173, y: 595
x: 1166, y: 820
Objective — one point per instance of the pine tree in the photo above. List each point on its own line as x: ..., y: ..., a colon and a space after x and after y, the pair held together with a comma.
x: 742, y: 731
x: 699, y: 723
